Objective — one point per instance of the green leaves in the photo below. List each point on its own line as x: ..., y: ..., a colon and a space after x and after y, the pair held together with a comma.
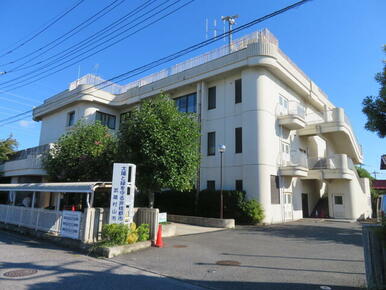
x: 7, y: 148
x: 86, y: 153
x: 375, y: 107
x: 163, y: 143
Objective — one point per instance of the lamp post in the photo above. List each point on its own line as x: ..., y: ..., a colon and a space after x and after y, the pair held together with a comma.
x: 221, y: 149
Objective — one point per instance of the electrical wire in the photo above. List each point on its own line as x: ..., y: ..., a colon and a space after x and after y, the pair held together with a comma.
x: 173, y: 56
x: 43, y: 30
x: 49, y: 46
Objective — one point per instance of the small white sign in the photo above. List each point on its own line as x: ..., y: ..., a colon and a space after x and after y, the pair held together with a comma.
x: 70, y: 224
x: 162, y: 217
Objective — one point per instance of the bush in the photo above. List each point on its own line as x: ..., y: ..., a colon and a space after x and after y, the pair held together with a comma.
x: 115, y: 234
x: 175, y: 202
x: 252, y: 212
x: 143, y: 232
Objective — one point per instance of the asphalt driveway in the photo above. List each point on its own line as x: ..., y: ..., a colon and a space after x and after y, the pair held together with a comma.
x: 306, y: 254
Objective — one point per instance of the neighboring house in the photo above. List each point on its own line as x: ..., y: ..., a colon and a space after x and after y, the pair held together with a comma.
x: 287, y: 145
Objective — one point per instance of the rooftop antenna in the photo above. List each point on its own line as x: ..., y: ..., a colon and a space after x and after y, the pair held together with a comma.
x: 214, y: 29
x: 96, y: 68
x: 231, y: 21
x: 375, y: 174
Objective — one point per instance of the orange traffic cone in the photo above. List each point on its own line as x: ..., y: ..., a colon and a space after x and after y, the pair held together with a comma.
x: 159, y: 243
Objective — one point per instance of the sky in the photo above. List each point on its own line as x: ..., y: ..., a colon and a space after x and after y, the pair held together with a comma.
x: 337, y: 43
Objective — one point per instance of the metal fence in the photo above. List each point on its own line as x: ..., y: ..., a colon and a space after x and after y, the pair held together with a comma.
x: 33, y: 218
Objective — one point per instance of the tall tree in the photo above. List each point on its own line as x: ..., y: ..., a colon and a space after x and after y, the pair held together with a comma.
x: 86, y: 153
x: 163, y: 143
x: 375, y: 107
x: 7, y: 148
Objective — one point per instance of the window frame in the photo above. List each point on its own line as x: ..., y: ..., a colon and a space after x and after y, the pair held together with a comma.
x: 238, y: 140
x: 186, y: 99
x: 107, y: 121
x: 70, y: 119
x: 212, y: 95
x: 238, y: 91
x: 275, y: 189
x: 211, y: 185
x: 211, y: 148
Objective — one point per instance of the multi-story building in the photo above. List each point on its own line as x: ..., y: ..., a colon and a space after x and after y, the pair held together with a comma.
x: 287, y: 145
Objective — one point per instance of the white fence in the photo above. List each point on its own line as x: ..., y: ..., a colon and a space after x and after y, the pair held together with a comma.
x: 33, y: 218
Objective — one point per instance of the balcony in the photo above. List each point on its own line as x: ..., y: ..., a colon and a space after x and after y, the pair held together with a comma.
x: 336, y: 127
x: 294, y: 166
x: 25, y: 162
x: 338, y: 166
x: 293, y: 116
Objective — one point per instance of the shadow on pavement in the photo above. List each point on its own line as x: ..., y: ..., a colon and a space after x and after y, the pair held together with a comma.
x: 107, y: 279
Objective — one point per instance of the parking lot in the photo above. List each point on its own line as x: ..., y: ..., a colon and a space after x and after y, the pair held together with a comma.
x: 299, y: 255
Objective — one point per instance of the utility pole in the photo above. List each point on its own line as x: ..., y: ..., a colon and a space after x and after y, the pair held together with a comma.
x: 375, y: 174
x: 231, y: 21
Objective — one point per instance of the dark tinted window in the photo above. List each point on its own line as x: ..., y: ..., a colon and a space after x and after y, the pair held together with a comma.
x: 210, y: 185
x: 275, y: 192
x: 239, y: 185
x: 212, y: 143
x: 239, y: 140
x: 238, y: 91
x: 105, y: 119
x: 186, y: 104
x: 211, y: 98
x: 71, y: 119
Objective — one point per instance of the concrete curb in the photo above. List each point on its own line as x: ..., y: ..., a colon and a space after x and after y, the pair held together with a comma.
x: 110, y: 252
x: 202, y: 221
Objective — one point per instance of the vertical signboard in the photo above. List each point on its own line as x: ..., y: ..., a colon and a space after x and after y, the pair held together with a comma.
x: 122, y: 203
x: 70, y: 224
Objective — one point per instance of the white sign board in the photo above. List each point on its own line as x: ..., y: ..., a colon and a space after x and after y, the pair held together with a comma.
x: 70, y: 224
x: 162, y: 217
x: 122, y: 203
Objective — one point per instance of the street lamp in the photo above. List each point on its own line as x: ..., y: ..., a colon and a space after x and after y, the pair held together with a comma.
x: 221, y: 149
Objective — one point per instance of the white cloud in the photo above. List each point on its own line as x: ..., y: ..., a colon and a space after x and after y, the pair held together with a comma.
x: 25, y: 123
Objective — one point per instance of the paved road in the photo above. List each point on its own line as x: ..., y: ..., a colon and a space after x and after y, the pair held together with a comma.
x: 61, y: 269
x: 297, y: 255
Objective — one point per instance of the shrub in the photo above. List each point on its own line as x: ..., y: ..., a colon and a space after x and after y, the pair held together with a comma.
x: 143, y: 232
x: 175, y: 202
x: 115, y: 234
x: 252, y: 212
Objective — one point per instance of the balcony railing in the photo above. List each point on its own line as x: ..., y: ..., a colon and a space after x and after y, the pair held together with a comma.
x: 29, y: 152
x: 294, y: 159
x: 336, y: 161
x: 293, y: 108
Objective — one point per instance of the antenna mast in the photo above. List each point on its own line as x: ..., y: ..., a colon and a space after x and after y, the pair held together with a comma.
x: 231, y: 21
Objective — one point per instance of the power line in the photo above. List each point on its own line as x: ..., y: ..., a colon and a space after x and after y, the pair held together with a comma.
x: 44, y: 29
x: 76, y: 30
x: 28, y: 77
x: 180, y: 53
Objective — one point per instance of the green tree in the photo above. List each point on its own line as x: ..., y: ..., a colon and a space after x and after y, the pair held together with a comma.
x: 364, y: 173
x: 85, y: 153
x: 7, y: 147
x: 163, y: 143
x: 375, y: 107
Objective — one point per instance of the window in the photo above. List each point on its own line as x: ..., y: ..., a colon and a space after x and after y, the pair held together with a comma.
x: 211, y: 185
x: 212, y: 98
x: 338, y: 199
x: 239, y: 140
x: 239, y: 185
x: 275, y: 192
x: 124, y: 116
x: 211, y: 143
x: 105, y: 119
x: 186, y: 104
x: 70, y: 118
x: 238, y: 91
x: 283, y: 102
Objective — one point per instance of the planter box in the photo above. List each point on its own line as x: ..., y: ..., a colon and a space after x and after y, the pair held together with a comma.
x: 110, y: 252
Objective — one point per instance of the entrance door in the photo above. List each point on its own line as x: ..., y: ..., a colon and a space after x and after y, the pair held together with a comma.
x: 338, y: 206
x: 288, y: 206
x: 305, y: 205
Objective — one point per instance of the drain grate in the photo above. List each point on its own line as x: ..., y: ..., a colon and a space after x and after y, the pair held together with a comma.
x: 20, y: 273
x: 180, y: 246
x: 228, y: 263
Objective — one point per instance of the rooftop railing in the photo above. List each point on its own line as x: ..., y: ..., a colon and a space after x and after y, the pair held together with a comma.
x: 237, y: 44
x: 33, y: 151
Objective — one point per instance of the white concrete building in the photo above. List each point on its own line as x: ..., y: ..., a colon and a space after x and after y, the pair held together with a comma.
x: 287, y: 145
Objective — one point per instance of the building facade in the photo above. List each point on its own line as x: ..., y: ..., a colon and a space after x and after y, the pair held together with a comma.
x: 286, y: 144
